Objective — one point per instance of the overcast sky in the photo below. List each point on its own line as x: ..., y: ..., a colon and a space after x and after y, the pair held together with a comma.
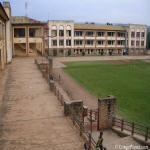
x: 101, y: 11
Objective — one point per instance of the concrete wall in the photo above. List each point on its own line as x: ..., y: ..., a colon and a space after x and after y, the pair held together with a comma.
x: 7, y: 8
x: 3, y: 58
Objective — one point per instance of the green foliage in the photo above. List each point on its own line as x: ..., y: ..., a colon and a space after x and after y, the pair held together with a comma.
x: 69, y: 52
x: 110, y: 53
x: 83, y: 53
x: 102, y: 52
x: 130, y: 83
x: 54, y: 52
x: 148, y: 41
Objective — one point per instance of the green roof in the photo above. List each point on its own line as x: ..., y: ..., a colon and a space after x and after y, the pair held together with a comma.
x: 98, y: 27
x: 24, y: 20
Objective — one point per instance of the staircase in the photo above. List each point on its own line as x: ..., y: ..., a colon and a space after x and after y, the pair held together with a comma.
x: 112, y: 140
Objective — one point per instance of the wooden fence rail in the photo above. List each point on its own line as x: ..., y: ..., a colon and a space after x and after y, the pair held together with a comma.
x: 132, y: 127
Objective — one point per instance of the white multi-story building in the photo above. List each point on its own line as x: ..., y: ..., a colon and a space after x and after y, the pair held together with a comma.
x: 67, y: 38
x: 136, y: 38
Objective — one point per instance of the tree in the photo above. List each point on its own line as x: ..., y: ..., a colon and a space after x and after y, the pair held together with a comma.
x: 109, y: 24
x: 148, y: 40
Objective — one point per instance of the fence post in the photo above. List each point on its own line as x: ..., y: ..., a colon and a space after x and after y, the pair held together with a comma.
x: 80, y: 129
x: 90, y: 140
x: 122, y: 123
x: 91, y: 120
x: 83, y: 116
x: 146, y: 134
x: 98, y: 118
x: 132, y: 128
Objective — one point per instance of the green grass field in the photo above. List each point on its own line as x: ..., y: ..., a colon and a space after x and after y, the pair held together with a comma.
x: 130, y: 83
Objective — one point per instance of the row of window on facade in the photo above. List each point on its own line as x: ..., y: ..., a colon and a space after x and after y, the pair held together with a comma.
x: 87, y: 42
x: 137, y: 34
x: 33, y: 32
x: 88, y: 33
x: 87, y: 51
x: 137, y: 43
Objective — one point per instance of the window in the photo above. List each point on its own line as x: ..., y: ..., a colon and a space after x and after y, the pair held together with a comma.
x: 54, y: 42
x: 132, y: 34
x: 61, y: 32
x: 142, y: 43
x: 68, y: 33
x: 89, y: 34
x: 121, y: 42
x: 89, y: 42
x: 68, y: 42
x: 143, y: 34
x: 120, y: 34
x: 110, y: 33
x: 100, y: 42
x: 78, y: 33
x: 54, y: 33
x: 110, y: 42
x: 137, y: 43
x: 77, y: 42
x: 61, y: 42
x: 19, y: 32
x: 61, y: 51
x: 35, y: 32
x: 138, y: 34
x: 132, y: 43
x: 100, y: 34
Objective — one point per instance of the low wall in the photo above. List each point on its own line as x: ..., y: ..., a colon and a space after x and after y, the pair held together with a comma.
x: 75, y: 105
x: 72, y: 108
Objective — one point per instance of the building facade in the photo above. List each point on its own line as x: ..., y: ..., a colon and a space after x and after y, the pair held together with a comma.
x: 28, y: 36
x: 136, y: 39
x: 69, y: 39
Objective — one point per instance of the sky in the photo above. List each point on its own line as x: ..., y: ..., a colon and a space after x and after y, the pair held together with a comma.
x: 98, y: 11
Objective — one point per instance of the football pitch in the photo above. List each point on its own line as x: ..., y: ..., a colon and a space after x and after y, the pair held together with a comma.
x: 128, y: 80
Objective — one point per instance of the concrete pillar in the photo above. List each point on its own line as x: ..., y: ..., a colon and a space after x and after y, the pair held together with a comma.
x: 7, y: 8
x: 50, y: 62
x: 75, y: 106
x: 107, y: 110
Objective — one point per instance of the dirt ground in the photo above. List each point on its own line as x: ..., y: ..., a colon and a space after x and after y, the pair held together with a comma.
x: 75, y: 90
x: 31, y: 117
x: 95, y: 58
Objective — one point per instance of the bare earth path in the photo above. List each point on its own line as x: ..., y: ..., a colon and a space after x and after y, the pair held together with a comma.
x: 31, y: 116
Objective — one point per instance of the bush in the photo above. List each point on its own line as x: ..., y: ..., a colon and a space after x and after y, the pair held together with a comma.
x: 102, y: 53
x: 83, y: 53
x: 69, y: 52
x: 110, y: 53
x: 54, y: 52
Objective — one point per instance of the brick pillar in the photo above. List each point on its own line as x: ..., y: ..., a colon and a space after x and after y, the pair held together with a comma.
x: 107, y: 110
x: 50, y: 62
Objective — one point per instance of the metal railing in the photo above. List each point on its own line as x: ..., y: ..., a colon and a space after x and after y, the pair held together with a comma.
x: 132, y: 127
x: 77, y: 120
